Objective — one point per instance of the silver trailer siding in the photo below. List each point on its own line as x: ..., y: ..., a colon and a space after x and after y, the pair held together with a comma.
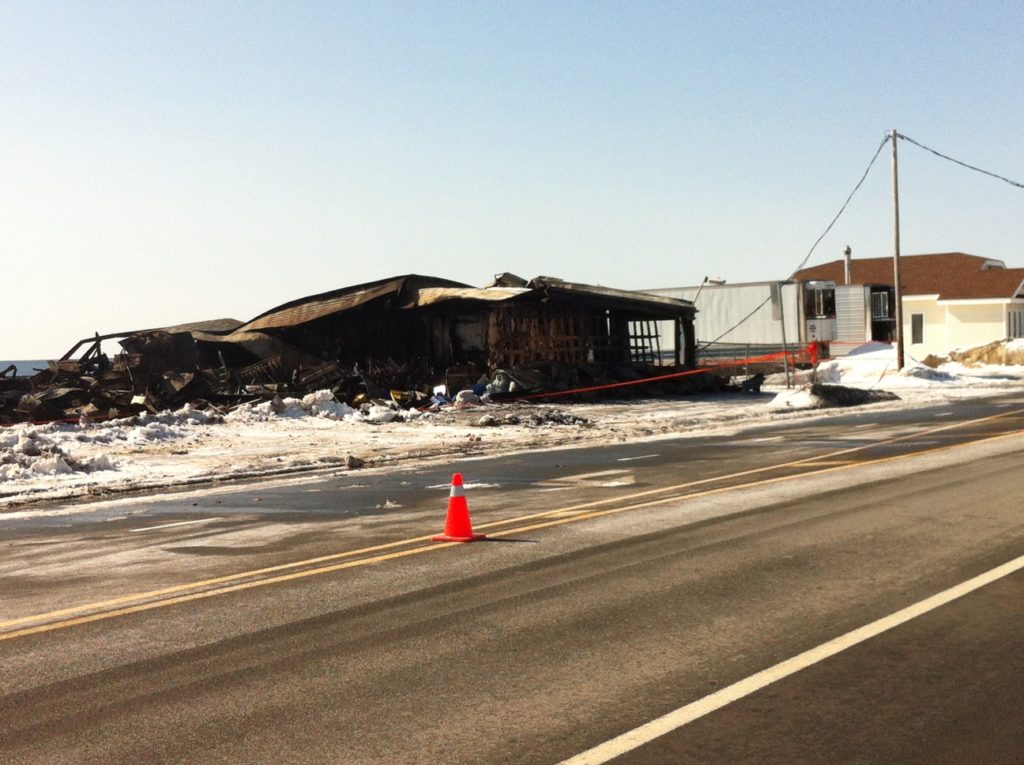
x: 853, y: 317
x: 744, y: 313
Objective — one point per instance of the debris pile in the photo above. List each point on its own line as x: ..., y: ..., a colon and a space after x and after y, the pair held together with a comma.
x: 1003, y: 352
x: 841, y: 395
x: 160, y: 371
x: 156, y: 371
x: 531, y: 417
x: 828, y: 395
x: 411, y: 342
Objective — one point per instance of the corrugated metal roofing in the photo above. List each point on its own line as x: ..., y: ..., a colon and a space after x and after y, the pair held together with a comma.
x: 642, y: 301
x: 315, y: 307
x: 413, y: 290
x: 212, y: 325
x: 434, y: 295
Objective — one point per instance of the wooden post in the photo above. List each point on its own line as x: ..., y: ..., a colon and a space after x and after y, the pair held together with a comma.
x: 678, y: 328
x: 689, y: 343
x: 896, y: 252
x: 782, y: 323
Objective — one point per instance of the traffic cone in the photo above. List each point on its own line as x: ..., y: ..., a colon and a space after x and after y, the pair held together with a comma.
x: 458, y: 527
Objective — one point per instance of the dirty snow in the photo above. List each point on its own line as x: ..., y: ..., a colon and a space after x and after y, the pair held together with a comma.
x: 799, y: 398
x: 62, y: 461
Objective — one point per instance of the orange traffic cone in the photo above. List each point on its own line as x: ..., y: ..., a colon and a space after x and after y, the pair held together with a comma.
x: 458, y: 527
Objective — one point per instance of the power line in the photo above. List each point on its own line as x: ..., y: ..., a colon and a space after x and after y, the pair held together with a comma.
x: 843, y: 208
x: 813, y: 246
x: 962, y: 164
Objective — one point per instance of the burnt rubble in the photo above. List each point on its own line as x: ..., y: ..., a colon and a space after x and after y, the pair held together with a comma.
x: 412, y: 341
x: 150, y: 380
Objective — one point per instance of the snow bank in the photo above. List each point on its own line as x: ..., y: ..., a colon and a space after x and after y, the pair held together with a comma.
x: 152, y: 450
x: 799, y: 398
x: 319, y: 404
x: 29, y: 452
x: 60, y: 449
x: 287, y: 434
x: 873, y: 365
x: 1002, y: 353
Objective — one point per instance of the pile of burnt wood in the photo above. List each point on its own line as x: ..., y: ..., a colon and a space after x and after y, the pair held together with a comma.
x: 160, y: 370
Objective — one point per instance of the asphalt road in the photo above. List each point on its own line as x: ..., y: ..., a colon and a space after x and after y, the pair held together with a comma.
x: 313, y: 621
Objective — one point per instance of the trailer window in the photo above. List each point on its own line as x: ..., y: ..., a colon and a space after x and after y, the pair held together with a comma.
x: 879, y: 305
x: 820, y: 303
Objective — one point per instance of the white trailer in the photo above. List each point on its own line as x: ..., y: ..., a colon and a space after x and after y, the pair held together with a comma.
x: 769, y: 315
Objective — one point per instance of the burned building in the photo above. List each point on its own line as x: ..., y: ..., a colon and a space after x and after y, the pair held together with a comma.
x: 430, y: 326
x: 407, y: 333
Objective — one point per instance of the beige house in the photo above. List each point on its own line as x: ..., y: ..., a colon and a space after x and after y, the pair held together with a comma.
x: 950, y: 300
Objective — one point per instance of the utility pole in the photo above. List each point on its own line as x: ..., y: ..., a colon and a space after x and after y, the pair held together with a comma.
x: 785, y: 348
x: 896, y: 252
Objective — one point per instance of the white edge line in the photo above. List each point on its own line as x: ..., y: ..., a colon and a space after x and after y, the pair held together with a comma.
x: 642, y: 457
x: 686, y: 714
x: 178, y: 523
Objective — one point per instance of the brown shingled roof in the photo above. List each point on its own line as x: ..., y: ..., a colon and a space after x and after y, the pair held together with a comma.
x: 950, y: 275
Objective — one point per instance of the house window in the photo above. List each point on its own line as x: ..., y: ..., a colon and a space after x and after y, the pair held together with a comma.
x: 1015, y: 324
x: 879, y: 305
x: 916, y: 328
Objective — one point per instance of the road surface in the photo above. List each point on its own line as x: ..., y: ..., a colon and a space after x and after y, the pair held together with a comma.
x: 314, y: 621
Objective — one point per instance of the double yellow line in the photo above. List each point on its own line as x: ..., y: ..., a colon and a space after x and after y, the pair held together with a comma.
x: 286, y: 572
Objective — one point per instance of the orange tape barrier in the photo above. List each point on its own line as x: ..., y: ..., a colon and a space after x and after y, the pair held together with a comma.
x: 812, y: 350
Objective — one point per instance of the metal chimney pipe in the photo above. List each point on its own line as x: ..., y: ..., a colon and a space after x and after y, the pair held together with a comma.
x: 846, y: 266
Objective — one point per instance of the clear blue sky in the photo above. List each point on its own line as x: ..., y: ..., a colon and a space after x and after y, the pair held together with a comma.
x: 170, y: 162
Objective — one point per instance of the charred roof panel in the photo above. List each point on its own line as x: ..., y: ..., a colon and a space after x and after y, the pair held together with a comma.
x: 434, y: 295
x: 412, y: 291
x: 216, y: 326
x: 315, y: 307
x: 641, y: 303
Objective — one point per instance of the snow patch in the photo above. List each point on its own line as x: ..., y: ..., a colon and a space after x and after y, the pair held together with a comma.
x: 319, y: 404
x: 55, y: 465
x: 801, y: 398
x: 61, y: 460
x: 922, y: 372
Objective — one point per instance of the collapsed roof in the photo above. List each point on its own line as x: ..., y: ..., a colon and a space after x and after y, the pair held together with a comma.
x: 412, y: 291
x: 408, y: 333
x: 440, y: 322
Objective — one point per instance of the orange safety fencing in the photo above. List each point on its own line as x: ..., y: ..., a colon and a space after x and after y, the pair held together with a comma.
x: 812, y: 353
